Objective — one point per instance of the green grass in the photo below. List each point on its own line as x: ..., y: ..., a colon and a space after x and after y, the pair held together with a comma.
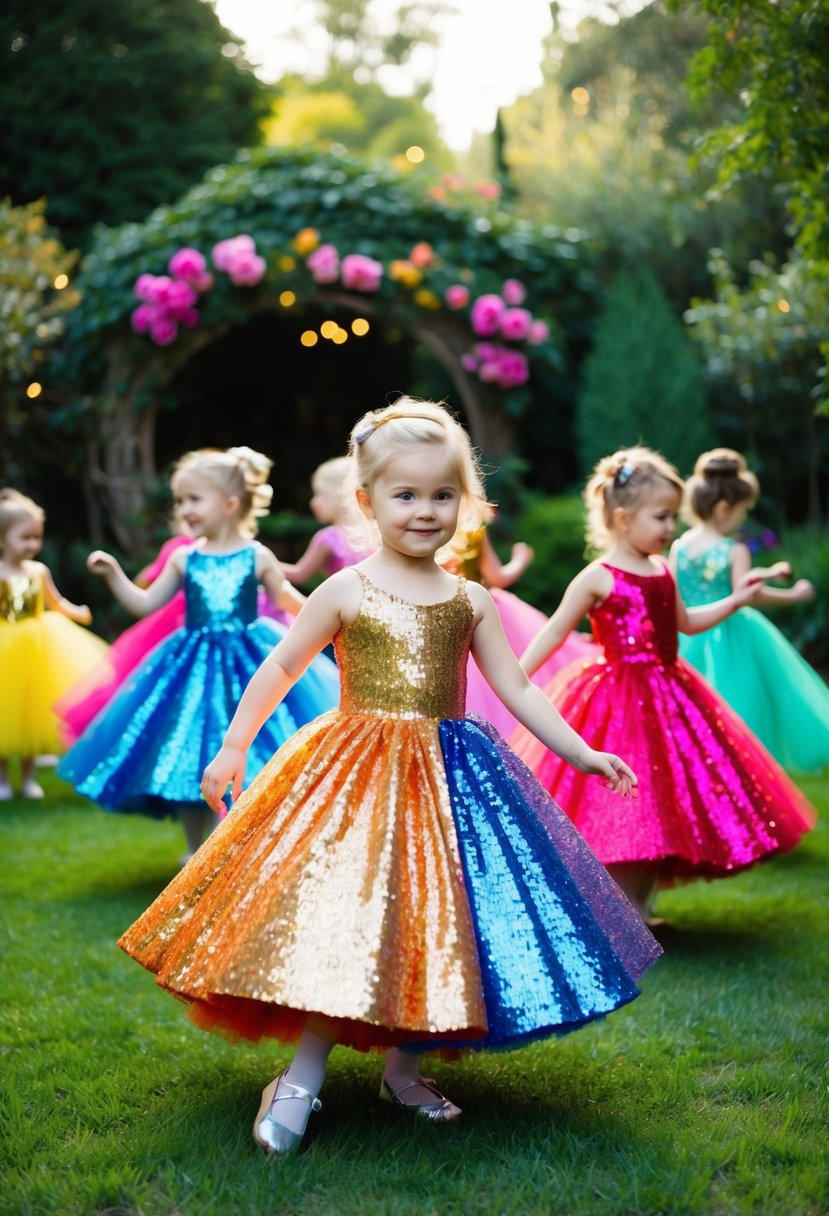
x: 706, y: 1095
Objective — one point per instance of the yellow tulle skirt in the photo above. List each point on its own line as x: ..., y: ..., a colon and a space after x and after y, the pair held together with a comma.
x: 40, y: 659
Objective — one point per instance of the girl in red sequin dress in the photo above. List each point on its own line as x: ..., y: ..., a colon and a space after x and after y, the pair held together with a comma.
x: 712, y: 800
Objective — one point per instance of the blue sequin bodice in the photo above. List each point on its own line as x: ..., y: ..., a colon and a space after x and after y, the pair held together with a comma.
x: 220, y: 589
x: 706, y: 577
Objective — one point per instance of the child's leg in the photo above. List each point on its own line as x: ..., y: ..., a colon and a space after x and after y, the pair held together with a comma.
x: 5, y: 785
x: 403, y: 1084
x: 198, y: 823
x: 288, y: 1101
x: 30, y: 787
x: 638, y: 881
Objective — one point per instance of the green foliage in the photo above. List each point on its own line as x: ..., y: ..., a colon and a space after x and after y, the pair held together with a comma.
x: 773, y: 57
x: 642, y: 382
x: 807, y: 625
x: 706, y: 1095
x: 110, y: 110
x: 764, y: 337
x: 554, y: 527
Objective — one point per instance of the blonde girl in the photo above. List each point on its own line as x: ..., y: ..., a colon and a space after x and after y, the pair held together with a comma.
x: 394, y: 880
x: 711, y: 800
x: 746, y: 658
x: 332, y: 548
x: 42, y: 653
x: 146, y: 750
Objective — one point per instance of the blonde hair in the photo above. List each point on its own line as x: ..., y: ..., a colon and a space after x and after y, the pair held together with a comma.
x: 331, y: 473
x: 625, y: 479
x: 239, y: 472
x: 382, y: 434
x: 15, y: 508
x: 720, y: 475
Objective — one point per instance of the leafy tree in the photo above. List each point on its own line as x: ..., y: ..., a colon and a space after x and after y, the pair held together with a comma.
x: 36, y: 293
x: 112, y: 109
x: 642, y: 380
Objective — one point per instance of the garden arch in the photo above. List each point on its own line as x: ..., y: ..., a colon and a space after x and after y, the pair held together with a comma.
x: 302, y: 232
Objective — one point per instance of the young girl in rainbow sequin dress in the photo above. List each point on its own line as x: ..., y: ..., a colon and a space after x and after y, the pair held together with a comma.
x: 746, y: 658
x: 42, y: 653
x: 147, y: 749
x: 712, y: 800
x: 394, y: 879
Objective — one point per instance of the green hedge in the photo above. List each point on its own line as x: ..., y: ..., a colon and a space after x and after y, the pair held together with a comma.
x: 555, y: 529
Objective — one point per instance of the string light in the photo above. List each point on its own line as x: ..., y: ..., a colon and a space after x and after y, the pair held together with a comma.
x: 308, y: 338
x: 287, y: 298
x: 415, y: 155
x: 784, y: 306
x: 61, y: 281
x: 359, y: 326
x: 329, y: 328
x: 340, y: 336
x: 34, y: 390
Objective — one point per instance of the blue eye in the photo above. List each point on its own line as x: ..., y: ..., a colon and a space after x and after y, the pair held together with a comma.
x: 406, y: 495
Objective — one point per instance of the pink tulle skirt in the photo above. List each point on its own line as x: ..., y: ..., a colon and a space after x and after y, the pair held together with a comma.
x: 521, y: 623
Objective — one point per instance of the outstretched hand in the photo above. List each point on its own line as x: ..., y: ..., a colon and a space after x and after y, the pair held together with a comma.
x: 227, y: 768
x: 618, y: 776
x: 101, y: 563
x: 753, y: 579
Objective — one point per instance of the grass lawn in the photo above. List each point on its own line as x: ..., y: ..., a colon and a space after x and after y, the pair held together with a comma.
x: 706, y: 1095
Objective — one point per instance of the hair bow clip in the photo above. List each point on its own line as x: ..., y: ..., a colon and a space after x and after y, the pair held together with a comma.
x: 624, y: 474
x: 368, y: 429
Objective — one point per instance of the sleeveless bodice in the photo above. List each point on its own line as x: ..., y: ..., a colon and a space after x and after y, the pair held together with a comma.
x: 21, y: 597
x: 404, y: 660
x: 706, y: 577
x: 220, y: 589
x: 636, y: 623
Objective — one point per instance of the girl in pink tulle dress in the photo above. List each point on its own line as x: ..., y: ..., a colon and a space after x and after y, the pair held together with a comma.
x: 331, y: 548
x: 521, y: 621
x: 712, y: 800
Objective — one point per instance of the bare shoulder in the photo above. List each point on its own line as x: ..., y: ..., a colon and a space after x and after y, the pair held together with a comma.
x: 265, y: 559
x: 594, y: 581
x: 341, y: 593
x: 480, y: 599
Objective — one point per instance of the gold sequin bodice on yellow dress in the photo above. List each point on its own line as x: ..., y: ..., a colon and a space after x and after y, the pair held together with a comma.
x: 42, y: 654
x: 393, y: 867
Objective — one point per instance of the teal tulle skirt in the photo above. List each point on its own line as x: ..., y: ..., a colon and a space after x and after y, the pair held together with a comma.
x: 774, y: 690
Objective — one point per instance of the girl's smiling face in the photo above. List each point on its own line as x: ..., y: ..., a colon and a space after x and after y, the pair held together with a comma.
x: 651, y: 526
x: 202, y: 507
x: 23, y: 540
x: 415, y: 501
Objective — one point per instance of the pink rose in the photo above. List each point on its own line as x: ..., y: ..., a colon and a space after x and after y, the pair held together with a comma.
x: 515, y: 324
x: 469, y: 362
x: 324, y: 264
x: 187, y: 264
x: 490, y: 372
x: 514, y: 292
x: 159, y: 291
x: 190, y: 319
x: 143, y: 317
x: 487, y: 352
x: 456, y: 296
x: 202, y: 282
x: 361, y: 273
x: 539, y: 332
x: 488, y: 190
x: 179, y: 299
x: 225, y: 251
x: 513, y: 369
x: 245, y: 268
x: 144, y: 288
x: 163, y: 331
x: 486, y: 315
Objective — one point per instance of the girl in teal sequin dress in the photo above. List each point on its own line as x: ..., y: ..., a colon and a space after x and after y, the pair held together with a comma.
x: 145, y: 752
x: 746, y: 658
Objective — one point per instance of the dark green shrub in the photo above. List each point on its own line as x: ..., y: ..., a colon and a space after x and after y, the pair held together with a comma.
x: 555, y: 529
x: 806, y: 625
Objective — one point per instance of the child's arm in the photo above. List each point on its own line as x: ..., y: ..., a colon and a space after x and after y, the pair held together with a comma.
x: 799, y: 593
x: 315, y: 560
x: 58, y: 603
x: 528, y: 703
x: 586, y: 590
x: 137, y: 600
x: 150, y: 573
x: 696, y: 620
x: 496, y: 573
x: 271, y: 575
x: 327, y: 609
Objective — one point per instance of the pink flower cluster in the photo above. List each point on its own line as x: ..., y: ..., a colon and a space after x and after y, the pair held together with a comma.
x: 356, y: 271
x: 499, y: 317
x: 169, y: 301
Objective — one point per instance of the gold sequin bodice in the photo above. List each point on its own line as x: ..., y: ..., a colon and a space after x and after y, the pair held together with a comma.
x: 21, y: 597
x: 404, y: 660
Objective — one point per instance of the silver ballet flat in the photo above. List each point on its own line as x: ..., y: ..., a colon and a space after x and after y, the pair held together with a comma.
x: 268, y: 1132
x: 440, y: 1111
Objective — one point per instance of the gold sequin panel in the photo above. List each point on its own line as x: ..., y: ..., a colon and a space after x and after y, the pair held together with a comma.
x: 21, y: 598
x: 334, y: 886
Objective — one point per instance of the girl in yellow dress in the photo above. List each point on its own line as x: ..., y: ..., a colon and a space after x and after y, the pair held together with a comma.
x: 42, y: 654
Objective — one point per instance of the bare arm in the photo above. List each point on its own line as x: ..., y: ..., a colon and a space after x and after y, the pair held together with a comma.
x: 800, y: 593
x: 529, y: 705
x: 696, y: 620
x: 315, y: 560
x: 335, y: 602
x: 58, y: 603
x: 271, y: 575
x: 496, y: 573
x: 586, y: 590
x: 137, y: 600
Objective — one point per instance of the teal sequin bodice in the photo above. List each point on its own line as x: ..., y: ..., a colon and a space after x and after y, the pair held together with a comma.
x: 220, y: 589
x: 706, y: 577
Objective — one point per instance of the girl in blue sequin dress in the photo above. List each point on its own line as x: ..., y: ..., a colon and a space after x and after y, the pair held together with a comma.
x: 146, y: 751
x: 746, y: 658
x: 395, y: 879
